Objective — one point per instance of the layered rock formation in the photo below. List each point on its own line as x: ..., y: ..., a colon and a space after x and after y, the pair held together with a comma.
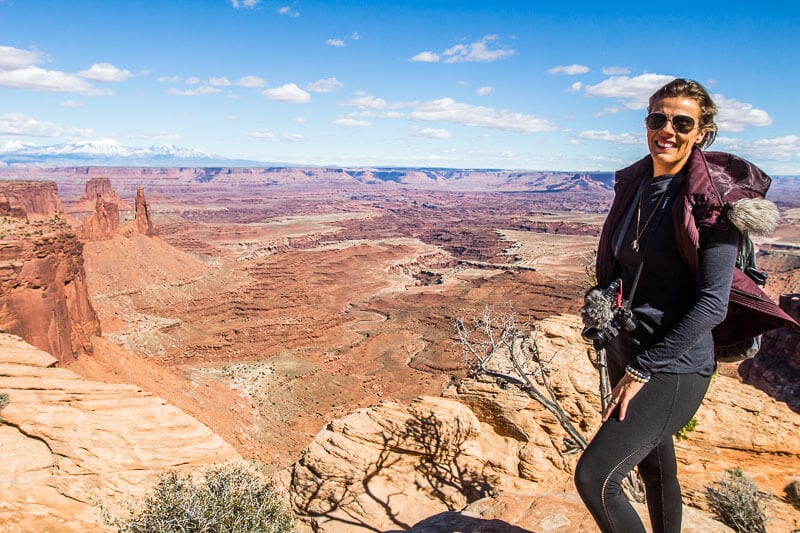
x: 390, y: 466
x: 34, y: 199
x: 103, y: 224
x: 143, y: 222
x: 43, y: 294
x: 101, y: 187
x: 66, y: 442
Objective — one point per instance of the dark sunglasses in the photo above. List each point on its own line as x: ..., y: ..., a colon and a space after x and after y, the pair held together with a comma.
x: 681, y: 123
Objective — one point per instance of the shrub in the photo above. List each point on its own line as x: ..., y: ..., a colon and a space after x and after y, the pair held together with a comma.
x: 737, y: 502
x: 231, y: 498
x: 3, y: 402
x: 683, y: 433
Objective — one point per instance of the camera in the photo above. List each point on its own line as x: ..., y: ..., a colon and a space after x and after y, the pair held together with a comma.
x: 606, y: 313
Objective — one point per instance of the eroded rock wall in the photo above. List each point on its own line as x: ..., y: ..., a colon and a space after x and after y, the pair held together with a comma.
x: 35, y: 199
x: 43, y: 293
x: 66, y: 441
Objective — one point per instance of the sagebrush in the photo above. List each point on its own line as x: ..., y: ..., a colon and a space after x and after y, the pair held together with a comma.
x: 738, y: 503
x: 230, y: 498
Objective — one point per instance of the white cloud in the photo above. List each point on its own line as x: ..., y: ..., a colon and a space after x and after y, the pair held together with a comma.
x: 300, y: 120
x: 634, y: 92
x: 19, y: 124
x: 616, y: 71
x: 72, y: 103
x: 293, y: 137
x: 569, y: 70
x: 200, y: 91
x: 265, y: 135
x: 355, y: 36
x: 15, y: 58
x: 219, y: 82
x: 169, y: 79
x: 39, y: 79
x: 483, y: 91
x: 351, y: 122
x: 288, y: 11
x: 247, y: 4
x: 251, y: 82
x: 432, y: 133
x: 338, y: 43
x: 607, y: 111
x: 366, y: 101
x: 324, y: 85
x: 105, y: 72
x: 289, y: 93
x: 577, y: 86
x: 605, y: 135
x: 192, y: 80
x: 447, y: 109
x: 426, y: 57
x: 733, y: 115
x: 477, y: 51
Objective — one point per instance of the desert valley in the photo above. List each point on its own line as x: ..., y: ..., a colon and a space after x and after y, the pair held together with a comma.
x: 303, y: 319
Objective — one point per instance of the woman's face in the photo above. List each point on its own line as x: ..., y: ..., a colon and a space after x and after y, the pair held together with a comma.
x: 669, y: 148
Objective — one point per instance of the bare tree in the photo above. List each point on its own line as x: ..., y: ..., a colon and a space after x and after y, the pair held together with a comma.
x: 499, y: 346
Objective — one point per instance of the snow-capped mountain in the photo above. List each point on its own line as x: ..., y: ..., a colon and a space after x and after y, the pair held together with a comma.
x: 108, y: 152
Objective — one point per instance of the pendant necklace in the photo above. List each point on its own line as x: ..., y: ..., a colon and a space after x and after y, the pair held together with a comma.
x: 640, y: 232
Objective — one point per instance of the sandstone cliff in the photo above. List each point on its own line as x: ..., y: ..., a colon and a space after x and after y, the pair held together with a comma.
x: 43, y: 293
x: 100, y: 186
x: 65, y: 442
x: 391, y: 466
x: 103, y: 224
x: 34, y: 199
x: 143, y: 223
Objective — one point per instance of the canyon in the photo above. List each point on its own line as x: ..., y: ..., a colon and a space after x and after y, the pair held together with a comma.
x: 295, y: 311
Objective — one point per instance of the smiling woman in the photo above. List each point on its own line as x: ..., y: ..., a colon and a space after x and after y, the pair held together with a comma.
x: 667, y: 254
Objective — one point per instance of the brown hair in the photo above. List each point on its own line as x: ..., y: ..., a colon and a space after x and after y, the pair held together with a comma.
x: 681, y: 87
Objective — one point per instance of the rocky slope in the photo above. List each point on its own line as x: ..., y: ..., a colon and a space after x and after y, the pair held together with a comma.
x: 35, y: 199
x: 66, y: 442
x: 43, y: 294
x: 391, y: 466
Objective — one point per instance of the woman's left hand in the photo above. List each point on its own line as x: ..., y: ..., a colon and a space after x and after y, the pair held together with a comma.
x: 621, y: 396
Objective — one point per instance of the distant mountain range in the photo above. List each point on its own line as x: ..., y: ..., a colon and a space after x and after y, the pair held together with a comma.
x: 112, y: 153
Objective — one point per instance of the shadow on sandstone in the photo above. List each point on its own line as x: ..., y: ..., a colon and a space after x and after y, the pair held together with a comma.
x: 439, y: 471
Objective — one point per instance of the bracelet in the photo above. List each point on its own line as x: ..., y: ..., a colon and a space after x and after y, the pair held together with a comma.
x: 637, y: 375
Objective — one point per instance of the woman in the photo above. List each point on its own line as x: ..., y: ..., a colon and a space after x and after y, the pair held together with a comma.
x: 669, y: 241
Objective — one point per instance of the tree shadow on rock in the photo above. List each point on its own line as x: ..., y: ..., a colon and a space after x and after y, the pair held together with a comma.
x: 441, y: 471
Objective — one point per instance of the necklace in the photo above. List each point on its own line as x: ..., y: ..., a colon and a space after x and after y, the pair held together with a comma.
x: 640, y: 232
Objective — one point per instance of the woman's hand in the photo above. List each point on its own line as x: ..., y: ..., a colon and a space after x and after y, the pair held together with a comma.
x: 621, y: 396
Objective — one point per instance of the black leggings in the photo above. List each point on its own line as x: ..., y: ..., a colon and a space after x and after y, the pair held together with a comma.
x: 664, y: 405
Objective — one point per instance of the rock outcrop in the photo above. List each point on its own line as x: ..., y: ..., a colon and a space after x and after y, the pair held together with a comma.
x: 43, y: 293
x: 66, y: 442
x: 776, y: 367
x: 104, y: 223
x: 100, y: 186
x: 143, y: 222
x: 391, y: 466
x: 33, y: 199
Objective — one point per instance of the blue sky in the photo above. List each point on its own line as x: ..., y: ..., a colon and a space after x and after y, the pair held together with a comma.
x: 518, y: 84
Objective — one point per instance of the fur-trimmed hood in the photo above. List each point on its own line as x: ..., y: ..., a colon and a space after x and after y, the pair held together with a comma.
x: 755, y: 216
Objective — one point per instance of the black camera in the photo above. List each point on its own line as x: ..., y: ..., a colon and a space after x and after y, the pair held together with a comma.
x: 606, y: 313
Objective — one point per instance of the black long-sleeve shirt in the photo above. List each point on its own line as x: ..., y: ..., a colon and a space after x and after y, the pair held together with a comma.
x: 675, y: 308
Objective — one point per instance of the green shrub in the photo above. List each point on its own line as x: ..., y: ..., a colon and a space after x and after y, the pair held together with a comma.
x: 3, y: 402
x: 737, y: 502
x: 230, y: 499
x: 683, y: 433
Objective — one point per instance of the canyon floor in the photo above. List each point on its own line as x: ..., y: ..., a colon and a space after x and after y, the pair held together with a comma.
x: 267, y: 315
x: 266, y: 318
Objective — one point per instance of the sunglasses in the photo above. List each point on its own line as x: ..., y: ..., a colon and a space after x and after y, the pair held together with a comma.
x: 681, y: 123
